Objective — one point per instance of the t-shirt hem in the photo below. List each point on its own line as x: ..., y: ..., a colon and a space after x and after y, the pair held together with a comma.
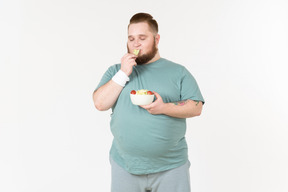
x: 141, y: 171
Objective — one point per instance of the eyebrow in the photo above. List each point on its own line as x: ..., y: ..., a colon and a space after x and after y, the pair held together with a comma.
x: 141, y: 35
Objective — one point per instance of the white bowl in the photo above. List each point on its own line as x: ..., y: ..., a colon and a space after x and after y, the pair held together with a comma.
x: 141, y: 99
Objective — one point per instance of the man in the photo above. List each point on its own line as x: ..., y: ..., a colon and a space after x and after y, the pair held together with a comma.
x: 149, y: 150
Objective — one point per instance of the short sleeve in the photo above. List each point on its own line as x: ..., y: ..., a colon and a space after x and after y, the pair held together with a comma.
x: 189, y: 87
x: 111, y: 71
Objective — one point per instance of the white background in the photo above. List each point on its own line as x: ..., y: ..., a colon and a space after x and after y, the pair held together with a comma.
x: 53, y: 54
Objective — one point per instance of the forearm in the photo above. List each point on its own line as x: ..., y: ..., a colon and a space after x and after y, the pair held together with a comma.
x: 183, y: 109
x: 105, y: 97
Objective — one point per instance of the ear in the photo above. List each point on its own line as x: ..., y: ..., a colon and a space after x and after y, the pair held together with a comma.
x: 157, y: 39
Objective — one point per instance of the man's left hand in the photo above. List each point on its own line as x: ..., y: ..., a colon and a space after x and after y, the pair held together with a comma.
x: 157, y: 107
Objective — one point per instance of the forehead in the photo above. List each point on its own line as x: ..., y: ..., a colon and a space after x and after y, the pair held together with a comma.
x: 139, y: 28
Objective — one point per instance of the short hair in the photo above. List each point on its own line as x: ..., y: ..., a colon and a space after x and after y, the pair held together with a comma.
x: 145, y: 17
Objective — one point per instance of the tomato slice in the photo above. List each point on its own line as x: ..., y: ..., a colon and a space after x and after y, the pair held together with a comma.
x: 149, y: 93
x: 133, y: 92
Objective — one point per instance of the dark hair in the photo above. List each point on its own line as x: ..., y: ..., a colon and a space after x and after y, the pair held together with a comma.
x: 145, y: 17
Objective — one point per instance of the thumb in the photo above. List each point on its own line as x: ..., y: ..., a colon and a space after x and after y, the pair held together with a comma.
x: 157, y: 95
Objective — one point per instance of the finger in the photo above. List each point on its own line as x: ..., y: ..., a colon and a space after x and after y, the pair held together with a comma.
x: 132, y: 63
x: 132, y: 56
x: 128, y: 56
x: 157, y: 95
x: 144, y: 106
x: 127, y: 60
x: 147, y: 106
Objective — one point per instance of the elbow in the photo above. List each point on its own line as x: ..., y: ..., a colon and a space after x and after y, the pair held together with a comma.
x: 198, y: 113
x: 195, y: 114
x: 99, y: 106
x: 98, y: 103
x: 198, y: 110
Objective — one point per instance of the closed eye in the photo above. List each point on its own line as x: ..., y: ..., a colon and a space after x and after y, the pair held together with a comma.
x: 142, y: 37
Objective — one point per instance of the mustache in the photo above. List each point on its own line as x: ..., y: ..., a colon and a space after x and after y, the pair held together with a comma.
x: 145, y: 58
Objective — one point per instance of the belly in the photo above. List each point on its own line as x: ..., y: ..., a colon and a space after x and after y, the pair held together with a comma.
x: 149, y: 141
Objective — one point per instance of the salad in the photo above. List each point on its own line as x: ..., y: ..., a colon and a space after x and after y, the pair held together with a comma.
x: 141, y: 92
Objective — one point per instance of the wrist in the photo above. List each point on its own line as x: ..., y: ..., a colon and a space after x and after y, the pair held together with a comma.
x: 165, y: 108
x: 120, y: 78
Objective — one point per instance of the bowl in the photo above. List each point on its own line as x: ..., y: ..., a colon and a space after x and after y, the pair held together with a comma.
x: 141, y: 99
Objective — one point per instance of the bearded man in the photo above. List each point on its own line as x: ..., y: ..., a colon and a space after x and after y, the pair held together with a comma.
x: 149, y: 151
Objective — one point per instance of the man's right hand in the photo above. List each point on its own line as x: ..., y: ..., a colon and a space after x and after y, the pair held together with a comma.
x: 127, y: 63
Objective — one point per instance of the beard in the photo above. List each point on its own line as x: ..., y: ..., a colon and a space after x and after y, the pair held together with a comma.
x: 145, y: 58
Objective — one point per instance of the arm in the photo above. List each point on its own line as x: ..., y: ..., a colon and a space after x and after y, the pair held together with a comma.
x: 106, y: 96
x: 184, y: 109
x: 181, y: 109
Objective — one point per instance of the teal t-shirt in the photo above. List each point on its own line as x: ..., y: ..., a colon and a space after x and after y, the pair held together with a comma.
x: 144, y: 143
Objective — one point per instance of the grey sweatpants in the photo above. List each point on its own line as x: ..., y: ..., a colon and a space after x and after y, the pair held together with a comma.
x: 174, y: 180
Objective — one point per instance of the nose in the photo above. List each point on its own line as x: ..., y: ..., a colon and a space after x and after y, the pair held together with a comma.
x: 136, y: 43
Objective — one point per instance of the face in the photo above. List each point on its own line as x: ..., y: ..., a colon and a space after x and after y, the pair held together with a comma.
x: 141, y: 37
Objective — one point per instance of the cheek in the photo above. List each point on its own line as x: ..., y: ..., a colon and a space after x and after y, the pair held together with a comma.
x: 129, y: 46
x: 147, y: 48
